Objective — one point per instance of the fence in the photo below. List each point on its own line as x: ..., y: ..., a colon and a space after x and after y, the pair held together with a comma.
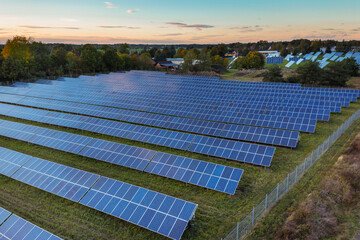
x: 243, y: 227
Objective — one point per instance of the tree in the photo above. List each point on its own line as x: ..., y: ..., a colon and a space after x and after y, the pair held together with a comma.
x: 126, y: 62
x: 90, y: 59
x: 188, y: 60
x: 72, y: 62
x: 17, y: 48
x: 310, y: 73
x: 273, y: 74
x: 284, y: 52
x: 204, y: 61
x: 124, y: 48
x: 111, y: 59
x: 352, y: 66
x: 337, y: 74
x: 14, y: 69
x: 40, y: 59
x: 222, y: 49
x: 145, y: 62
x: 255, y: 60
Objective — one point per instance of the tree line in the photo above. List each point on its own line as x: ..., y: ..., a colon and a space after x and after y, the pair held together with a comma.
x: 310, y: 73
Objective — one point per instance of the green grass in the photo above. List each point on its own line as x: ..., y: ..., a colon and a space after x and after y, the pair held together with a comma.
x: 268, y: 226
x: 216, y: 214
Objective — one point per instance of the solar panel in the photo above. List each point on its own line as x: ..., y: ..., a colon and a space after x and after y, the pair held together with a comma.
x: 234, y: 150
x: 11, y: 161
x: 262, y: 135
x: 204, y: 174
x: 4, y: 214
x: 290, y: 64
x: 119, y: 154
x: 157, y: 212
x: 154, y: 211
x: 18, y: 228
x: 69, y: 183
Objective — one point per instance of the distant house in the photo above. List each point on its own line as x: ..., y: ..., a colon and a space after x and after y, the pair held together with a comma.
x: 270, y: 53
x: 169, y: 65
x: 176, y: 60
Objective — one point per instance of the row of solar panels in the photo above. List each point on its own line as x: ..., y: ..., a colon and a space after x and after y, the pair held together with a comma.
x: 295, y: 121
x: 178, y: 123
x: 153, y: 135
x: 135, y: 157
x: 138, y: 84
x: 17, y: 228
x: 134, y: 99
x: 151, y: 210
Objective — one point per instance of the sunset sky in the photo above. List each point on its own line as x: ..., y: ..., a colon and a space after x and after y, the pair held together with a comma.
x: 185, y: 21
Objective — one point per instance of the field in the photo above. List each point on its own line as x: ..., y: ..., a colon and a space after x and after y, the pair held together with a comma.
x: 215, y: 216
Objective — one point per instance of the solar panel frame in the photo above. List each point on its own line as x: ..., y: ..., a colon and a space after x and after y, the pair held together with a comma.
x: 208, y: 175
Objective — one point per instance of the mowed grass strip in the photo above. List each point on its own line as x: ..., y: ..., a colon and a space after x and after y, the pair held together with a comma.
x: 217, y: 212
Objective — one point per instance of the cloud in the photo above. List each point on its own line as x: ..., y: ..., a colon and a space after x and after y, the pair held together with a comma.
x: 133, y: 11
x: 183, y: 25
x: 356, y: 29
x: 110, y: 5
x: 170, y: 34
x: 118, y: 27
x: 244, y: 29
x: 46, y: 27
x: 329, y: 29
x: 315, y: 36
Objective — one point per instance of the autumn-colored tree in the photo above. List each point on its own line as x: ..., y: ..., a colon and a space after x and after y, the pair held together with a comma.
x: 17, y: 48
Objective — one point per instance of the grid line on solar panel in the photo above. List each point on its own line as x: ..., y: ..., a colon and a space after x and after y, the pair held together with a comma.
x: 58, y: 179
x: 230, y: 118
x: 11, y: 161
x: 125, y: 201
x: 117, y: 153
x: 204, y: 174
x: 154, y: 211
x: 4, y: 214
x: 18, y: 228
x: 157, y: 136
x: 103, y: 150
x: 234, y: 150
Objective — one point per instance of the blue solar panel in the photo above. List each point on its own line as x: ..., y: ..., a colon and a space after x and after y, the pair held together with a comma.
x: 120, y: 154
x: 157, y: 212
x: 55, y: 178
x: 209, y: 175
x: 4, y: 214
x: 161, y: 137
x: 261, y: 135
x: 154, y: 211
x: 234, y: 150
x: 18, y: 228
x: 11, y: 161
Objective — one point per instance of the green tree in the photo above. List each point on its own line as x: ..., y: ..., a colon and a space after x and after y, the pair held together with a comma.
x: 40, y: 59
x: 189, y: 60
x: 91, y: 59
x: 111, y: 59
x: 204, y: 61
x: 352, y: 66
x: 336, y: 74
x: 222, y: 49
x: 273, y: 74
x: 310, y: 73
x: 255, y: 60
x: 14, y: 69
x: 145, y: 62
x: 284, y: 52
x: 72, y: 62
x: 126, y: 62
x: 124, y: 48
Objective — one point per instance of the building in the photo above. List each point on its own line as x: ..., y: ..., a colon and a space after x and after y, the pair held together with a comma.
x: 168, y: 65
x: 177, y: 61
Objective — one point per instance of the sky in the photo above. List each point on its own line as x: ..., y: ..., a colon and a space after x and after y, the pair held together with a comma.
x: 181, y: 21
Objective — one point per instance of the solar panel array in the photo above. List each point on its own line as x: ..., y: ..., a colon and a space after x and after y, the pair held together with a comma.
x: 115, y: 153
x: 154, y: 211
x: 17, y: 228
x: 223, y: 119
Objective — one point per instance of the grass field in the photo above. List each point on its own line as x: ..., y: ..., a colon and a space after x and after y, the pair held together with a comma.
x: 349, y: 220
x: 216, y: 214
